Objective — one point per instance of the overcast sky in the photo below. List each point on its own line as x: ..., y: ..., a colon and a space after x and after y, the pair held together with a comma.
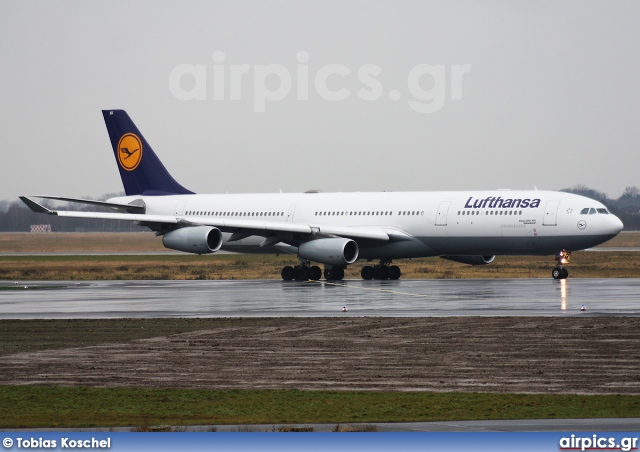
x: 518, y: 94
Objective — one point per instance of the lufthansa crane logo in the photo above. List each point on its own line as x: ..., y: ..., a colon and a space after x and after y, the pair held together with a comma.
x: 129, y: 151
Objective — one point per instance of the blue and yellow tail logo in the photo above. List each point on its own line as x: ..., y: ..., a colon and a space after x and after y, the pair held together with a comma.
x: 129, y: 151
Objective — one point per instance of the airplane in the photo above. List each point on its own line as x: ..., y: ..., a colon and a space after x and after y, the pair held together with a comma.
x: 338, y: 229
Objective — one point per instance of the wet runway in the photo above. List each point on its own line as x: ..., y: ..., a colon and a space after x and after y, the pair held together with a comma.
x: 477, y: 297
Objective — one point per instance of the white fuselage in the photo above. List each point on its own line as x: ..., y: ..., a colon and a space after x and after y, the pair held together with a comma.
x: 433, y: 223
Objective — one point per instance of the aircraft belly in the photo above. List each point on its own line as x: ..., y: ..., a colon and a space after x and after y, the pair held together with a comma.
x: 492, y: 245
x: 397, y: 250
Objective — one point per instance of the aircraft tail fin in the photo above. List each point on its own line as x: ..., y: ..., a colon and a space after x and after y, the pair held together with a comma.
x: 141, y: 170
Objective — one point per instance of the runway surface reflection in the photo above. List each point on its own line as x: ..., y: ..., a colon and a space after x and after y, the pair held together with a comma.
x: 478, y: 297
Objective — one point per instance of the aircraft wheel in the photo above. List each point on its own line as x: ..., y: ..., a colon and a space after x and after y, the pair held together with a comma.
x: 302, y: 273
x: 557, y: 273
x: 394, y: 272
x: 328, y: 274
x: 315, y: 273
x: 287, y: 273
x: 565, y: 273
x: 367, y: 272
x: 383, y: 272
x: 338, y: 273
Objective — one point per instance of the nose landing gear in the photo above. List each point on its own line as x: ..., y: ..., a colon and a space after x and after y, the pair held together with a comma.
x: 559, y: 272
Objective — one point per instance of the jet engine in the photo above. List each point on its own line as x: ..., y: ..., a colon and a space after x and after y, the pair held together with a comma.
x: 334, y: 251
x: 471, y: 260
x: 194, y: 239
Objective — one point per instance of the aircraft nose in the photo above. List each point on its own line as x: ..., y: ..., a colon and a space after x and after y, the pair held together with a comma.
x: 615, y: 224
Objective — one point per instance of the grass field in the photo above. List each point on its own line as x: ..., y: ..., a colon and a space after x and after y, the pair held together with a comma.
x: 44, y: 406
x: 35, y: 406
x: 70, y: 242
x: 181, y: 266
x: 39, y: 407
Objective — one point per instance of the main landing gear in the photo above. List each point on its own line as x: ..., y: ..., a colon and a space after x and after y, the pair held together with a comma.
x: 334, y: 273
x: 559, y: 272
x: 302, y: 272
x: 306, y: 272
x: 383, y: 270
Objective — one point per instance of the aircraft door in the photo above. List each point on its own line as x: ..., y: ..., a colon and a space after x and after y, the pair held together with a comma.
x: 292, y: 210
x: 551, y: 213
x: 180, y: 208
x: 443, y: 209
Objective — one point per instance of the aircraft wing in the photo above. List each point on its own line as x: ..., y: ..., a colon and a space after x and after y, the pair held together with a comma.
x: 226, y: 224
x: 133, y: 208
x: 239, y: 227
x: 38, y: 208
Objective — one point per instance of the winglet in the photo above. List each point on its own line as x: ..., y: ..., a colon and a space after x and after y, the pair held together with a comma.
x: 34, y: 206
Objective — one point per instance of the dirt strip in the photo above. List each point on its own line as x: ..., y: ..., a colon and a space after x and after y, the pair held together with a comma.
x: 586, y: 355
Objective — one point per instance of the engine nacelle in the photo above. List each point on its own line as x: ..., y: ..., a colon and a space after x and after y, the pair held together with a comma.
x: 195, y: 239
x: 471, y: 260
x: 334, y: 251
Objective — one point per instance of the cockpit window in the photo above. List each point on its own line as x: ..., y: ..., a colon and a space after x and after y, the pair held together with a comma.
x: 592, y: 211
